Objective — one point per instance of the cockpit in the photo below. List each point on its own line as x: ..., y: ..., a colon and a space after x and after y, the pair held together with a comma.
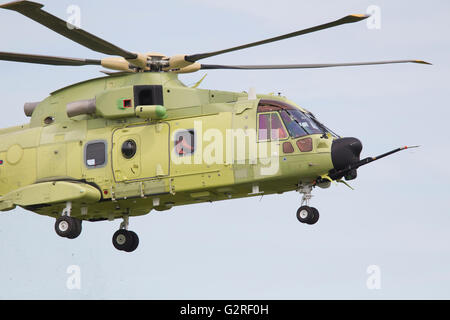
x: 278, y: 120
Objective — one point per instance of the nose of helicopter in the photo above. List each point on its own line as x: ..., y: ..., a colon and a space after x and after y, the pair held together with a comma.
x: 345, y: 151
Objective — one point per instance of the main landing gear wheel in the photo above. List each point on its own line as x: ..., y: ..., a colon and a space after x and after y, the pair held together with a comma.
x: 68, y: 227
x: 308, y: 215
x: 125, y: 240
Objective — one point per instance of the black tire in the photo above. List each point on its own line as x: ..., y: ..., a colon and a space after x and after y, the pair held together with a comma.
x: 124, y: 240
x: 77, y: 229
x: 315, y: 217
x: 305, y: 214
x: 68, y: 227
x: 135, y: 242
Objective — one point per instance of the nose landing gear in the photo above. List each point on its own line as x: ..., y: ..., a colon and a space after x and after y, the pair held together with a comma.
x: 307, y: 214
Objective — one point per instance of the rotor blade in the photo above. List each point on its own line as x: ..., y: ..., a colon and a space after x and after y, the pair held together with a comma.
x: 304, y: 66
x: 348, y: 19
x: 39, y: 59
x: 33, y: 11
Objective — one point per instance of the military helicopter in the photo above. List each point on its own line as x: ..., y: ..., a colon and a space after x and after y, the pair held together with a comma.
x: 136, y: 139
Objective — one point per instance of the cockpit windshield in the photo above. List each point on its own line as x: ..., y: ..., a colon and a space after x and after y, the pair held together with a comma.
x: 297, y: 122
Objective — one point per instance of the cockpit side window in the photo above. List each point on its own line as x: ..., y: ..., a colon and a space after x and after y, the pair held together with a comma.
x: 277, y: 131
x: 270, y: 127
x: 263, y: 127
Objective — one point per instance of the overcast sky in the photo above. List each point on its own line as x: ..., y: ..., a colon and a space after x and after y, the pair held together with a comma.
x: 397, y: 218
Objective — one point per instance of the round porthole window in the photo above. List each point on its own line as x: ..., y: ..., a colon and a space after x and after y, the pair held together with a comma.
x: 49, y: 120
x: 129, y: 149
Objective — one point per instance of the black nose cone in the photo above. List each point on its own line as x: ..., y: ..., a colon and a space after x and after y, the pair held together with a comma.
x: 345, y: 151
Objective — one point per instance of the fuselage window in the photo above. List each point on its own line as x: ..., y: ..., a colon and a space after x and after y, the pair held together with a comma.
x: 95, y: 154
x: 184, y: 142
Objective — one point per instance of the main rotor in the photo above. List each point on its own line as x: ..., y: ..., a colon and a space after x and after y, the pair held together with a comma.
x: 126, y: 61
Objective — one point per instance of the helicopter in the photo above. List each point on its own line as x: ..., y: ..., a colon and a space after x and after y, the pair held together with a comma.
x: 137, y: 139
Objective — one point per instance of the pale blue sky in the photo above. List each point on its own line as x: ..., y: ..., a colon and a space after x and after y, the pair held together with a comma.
x: 397, y: 218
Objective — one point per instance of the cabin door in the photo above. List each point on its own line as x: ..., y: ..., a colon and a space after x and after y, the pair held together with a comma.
x: 141, y: 152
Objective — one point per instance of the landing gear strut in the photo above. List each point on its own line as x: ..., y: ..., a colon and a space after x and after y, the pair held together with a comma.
x: 67, y: 226
x: 125, y: 240
x: 307, y: 214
